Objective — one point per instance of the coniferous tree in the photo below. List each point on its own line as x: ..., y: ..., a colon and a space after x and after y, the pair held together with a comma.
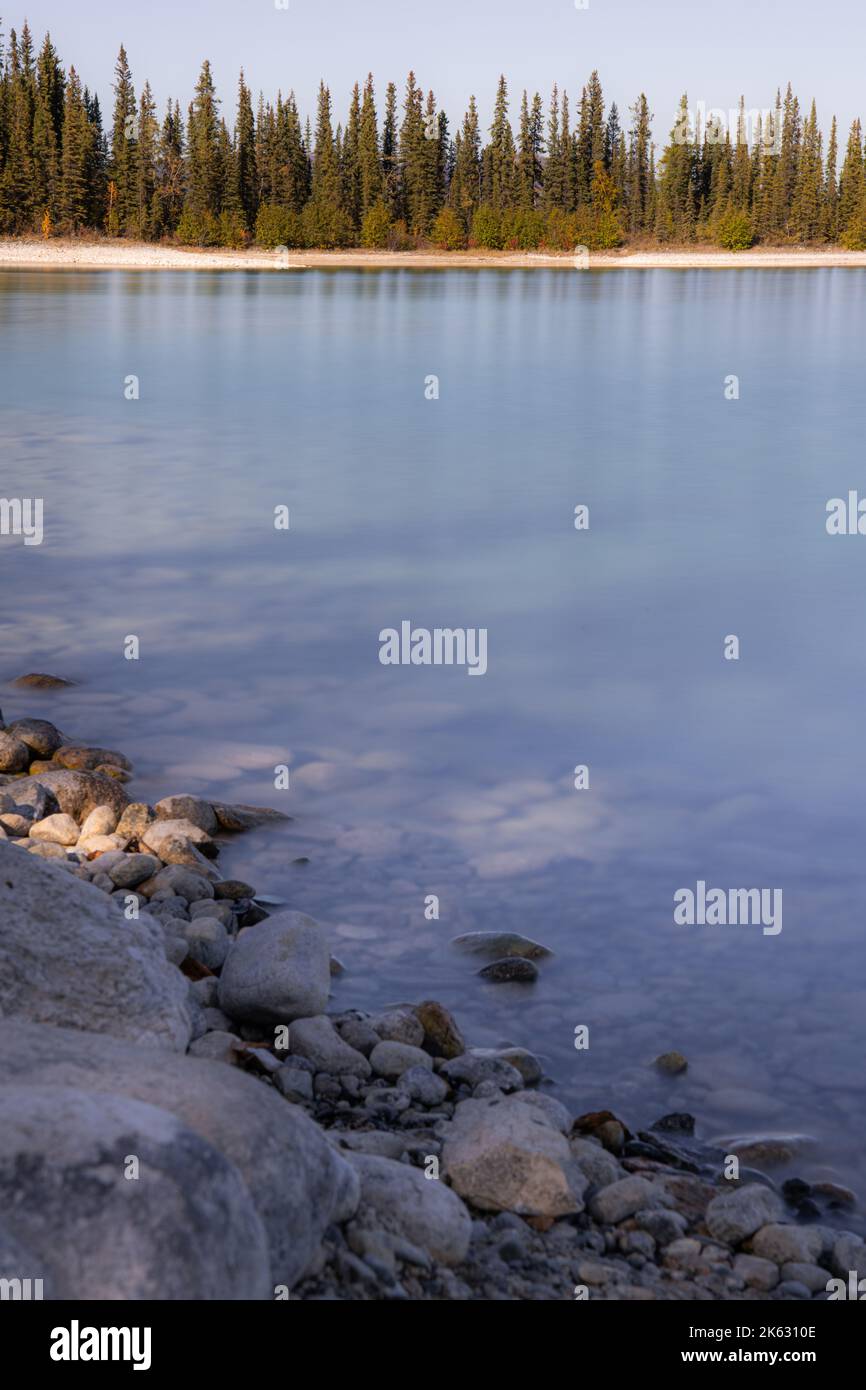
x: 76, y: 160
x: 123, y: 163
x: 372, y: 179
x: 640, y: 184
x: 807, y: 210
x: 831, y: 188
x: 465, y: 191
x: 245, y: 156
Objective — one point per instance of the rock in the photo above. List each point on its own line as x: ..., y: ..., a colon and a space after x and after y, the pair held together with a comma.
x: 176, y: 850
x: 46, y: 849
x: 188, y: 808
x: 101, y: 844
x: 501, y: 1155
x: 32, y: 800
x: 133, y: 869
x: 295, y: 1085
x: 208, y: 942
x: 75, y: 793
x: 135, y: 820
x: 14, y: 755
x: 246, y: 817
x: 399, y: 1025
x: 422, y: 1085
x: 442, y: 1037
x: 789, y: 1244
x: 496, y: 945
x: 622, y: 1199
x: 39, y: 681
x: 756, y: 1273
x: 299, y: 1184
x: 64, y: 1156
x: 510, y: 968
x: 380, y: 1142
x: 101, y: 821
x: 277, y: 972
x: 163, y: 833
x: 217, y: 1046
x: 815, y: 1277
x: 15, y: 824
x: 209, y: 907
x: 66, y: 958
x: 766, y: 1151
x: 234, y: 889
x: 734, y: 1216
x: 849, y: 1253
x: 358, y: 1034
x: 318, y: 1040
x: 604, y: 1126
x: 186, y: 883
x: 671, y: 1063
x: 664, y: 1226
x: 472, y: 1070
x: 599, y: 1166
x: 518, y: 1057
x: 40, y: 737
x: 551, y: 1108
x: 56, y: 830
x: 422, y: 1210
x: 79, y: 758
x: 391, y: 1059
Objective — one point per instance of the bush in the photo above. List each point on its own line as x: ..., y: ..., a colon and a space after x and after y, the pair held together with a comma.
x: 198, y: 229
x: 326, y: 227
x: 376, y: 228
x: 854, y: 236
x: 523, y: 229
x: 233, y: 232
x: 400, y: 238
x: 734, y: 230
x: 278, y: 226
x: 447, y: 232
x: 487, y: 229
x: 562, y: 232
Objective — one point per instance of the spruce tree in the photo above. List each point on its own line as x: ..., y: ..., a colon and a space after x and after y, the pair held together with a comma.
x: 75, y: 163
x: 123, y: 163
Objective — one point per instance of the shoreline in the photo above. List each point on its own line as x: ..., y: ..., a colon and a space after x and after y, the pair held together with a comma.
x: 177, y: 988
x: 60, y: 254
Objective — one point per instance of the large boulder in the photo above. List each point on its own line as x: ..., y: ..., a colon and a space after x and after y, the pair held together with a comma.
x: 75, y: 793
x: 422, y: 1210
x: 298, y: 1182
x: 69, y: 957
x: 504, y: 1156
x: 734, y: 1216
x: 117, y: 1199
x: 277, y: 971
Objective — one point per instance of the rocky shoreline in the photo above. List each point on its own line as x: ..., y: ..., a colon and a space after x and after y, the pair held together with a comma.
x: 181, y: 1116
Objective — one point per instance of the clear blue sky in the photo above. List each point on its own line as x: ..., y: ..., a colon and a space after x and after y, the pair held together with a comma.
x: 460, y: 46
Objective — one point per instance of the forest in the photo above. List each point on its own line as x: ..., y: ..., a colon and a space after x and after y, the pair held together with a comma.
x: 398, y: 176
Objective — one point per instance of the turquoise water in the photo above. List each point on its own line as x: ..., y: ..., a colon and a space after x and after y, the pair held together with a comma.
x: 605, y: 647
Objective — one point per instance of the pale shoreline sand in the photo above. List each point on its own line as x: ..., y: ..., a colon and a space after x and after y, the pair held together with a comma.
x: 33, y: 254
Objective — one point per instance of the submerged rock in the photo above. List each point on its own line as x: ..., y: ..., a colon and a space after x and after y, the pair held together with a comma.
x: 510, y: 968
x: 495, y: 944
x: 37, y: 680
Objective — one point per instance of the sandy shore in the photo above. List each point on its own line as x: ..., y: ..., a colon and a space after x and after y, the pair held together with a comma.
x: 123, y: 255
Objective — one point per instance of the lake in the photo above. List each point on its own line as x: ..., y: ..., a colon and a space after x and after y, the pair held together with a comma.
x: 605, y: 646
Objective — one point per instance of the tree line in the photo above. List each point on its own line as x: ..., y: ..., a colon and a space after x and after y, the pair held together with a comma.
x: 402, y: 179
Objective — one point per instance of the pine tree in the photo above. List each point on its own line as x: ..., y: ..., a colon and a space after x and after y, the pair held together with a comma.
x: 640, y: 179
x: 590, y: 138
x: 465, y: 191
x: 531, y: 148
x: 17, y: 208
x: 123, y: 164
x: 831, y: 188
x: 807, y: 203
x: 372, y: 179
x: 852, y: 180
x: 676, y: 206
x: 77, y: 150
x: 554, y: 167
x: 785, y: 176
x: 350, y: 163
x: 245, y: 156
x: 47, y: 130
x: 741, y: 173
x: 390, y: 156
x: 499, y: 169
x: 204, y: 171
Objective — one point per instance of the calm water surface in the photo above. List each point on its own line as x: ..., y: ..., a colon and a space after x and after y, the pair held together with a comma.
x: 260, y: 647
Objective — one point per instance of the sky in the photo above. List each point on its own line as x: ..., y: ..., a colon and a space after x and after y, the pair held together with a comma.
x: 458, y: 47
